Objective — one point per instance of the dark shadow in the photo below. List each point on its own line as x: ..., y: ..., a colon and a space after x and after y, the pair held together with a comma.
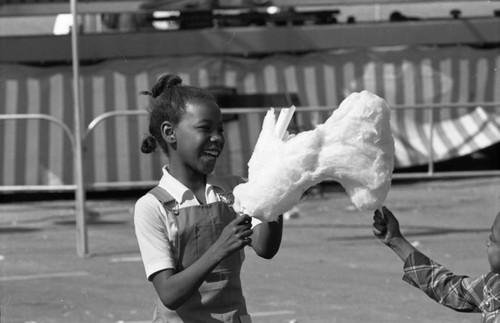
x: 397, y: 16
x: 108, y: 194
x: 484, y: 159
x: 408, y: 231
x: 92, y: 222
x: 9, y: 230
x: 121, y: 253
x: 414, y: 232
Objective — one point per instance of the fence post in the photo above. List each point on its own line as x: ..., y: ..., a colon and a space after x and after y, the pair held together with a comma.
x: 430, y: 148
x: 81, y: 225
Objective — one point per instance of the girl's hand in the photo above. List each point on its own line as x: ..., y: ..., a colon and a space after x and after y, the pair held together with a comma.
x: 386, y: 226
x: 235, y: 236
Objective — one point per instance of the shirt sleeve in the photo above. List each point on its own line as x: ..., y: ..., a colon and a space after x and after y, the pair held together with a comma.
x: 152, y: 235
x: 457, y: 292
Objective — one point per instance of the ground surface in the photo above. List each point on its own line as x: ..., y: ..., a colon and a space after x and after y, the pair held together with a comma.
x: 329, y: 269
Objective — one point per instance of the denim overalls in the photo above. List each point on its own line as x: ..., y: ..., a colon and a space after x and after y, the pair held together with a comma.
x: 220, y: 297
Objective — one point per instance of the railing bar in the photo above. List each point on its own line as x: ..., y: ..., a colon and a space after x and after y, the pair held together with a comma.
x: 33, y: 188
x: 242, y: 110
x: 108, y: 115
x: 425, y: 175
x: 102, y: 185
x: 34, y: 116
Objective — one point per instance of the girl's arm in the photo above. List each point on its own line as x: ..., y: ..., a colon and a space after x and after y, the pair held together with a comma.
x: 175, y: 288
x: 266, y: 238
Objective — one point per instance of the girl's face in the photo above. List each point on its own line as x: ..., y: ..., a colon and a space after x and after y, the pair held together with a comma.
x: 493, y: 246
x: 200, y: 137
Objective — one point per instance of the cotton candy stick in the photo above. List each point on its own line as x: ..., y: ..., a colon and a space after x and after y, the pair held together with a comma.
x: 381, y: 210
x: 284, y: 119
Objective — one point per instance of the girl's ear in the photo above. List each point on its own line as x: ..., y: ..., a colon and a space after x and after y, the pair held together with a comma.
x: 168, y: 132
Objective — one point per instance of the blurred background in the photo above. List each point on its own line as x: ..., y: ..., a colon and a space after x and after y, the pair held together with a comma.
x: 435, y: 62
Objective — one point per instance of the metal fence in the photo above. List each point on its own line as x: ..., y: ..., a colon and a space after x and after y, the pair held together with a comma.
x: 66, y: 130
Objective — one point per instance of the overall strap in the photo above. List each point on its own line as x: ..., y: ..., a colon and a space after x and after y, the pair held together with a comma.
x: 163, y: 196
x: 170, y: 206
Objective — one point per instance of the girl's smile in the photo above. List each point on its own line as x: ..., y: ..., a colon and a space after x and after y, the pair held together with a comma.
x: 200, y: 137
x: 213, y: 153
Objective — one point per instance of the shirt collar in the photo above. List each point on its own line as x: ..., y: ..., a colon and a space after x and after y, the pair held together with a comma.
x: 180, y: 192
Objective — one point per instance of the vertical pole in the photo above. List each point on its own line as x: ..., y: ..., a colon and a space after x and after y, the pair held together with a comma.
x: 81, y: 225
x: 430, y: 148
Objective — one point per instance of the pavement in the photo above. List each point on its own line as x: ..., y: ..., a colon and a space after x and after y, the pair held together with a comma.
x: 330, y: 268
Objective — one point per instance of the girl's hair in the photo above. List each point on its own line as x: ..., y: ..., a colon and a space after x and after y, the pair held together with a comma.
x: 168, y: 103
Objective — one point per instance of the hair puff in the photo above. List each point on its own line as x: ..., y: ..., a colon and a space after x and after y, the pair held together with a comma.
x: 148, y: 145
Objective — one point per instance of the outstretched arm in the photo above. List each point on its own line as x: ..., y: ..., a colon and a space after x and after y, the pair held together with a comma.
x: 454, y: 291
x: 266, y: 238
x: 386, y: 228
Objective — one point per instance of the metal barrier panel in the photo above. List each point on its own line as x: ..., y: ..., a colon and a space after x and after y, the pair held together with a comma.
x: 66, y: 131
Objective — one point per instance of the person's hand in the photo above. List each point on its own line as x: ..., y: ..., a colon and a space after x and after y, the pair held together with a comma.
x: 386, y: 226
x: 235, y: 236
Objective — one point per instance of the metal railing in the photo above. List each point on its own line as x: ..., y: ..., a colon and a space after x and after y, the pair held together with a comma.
x: 66, y: 130
x: 431, y: 173
x: 77, y: 186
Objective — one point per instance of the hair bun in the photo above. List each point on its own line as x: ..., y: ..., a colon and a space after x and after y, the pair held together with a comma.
x: 167, y: 81
x: 172, y: 80
x: 148, y: 145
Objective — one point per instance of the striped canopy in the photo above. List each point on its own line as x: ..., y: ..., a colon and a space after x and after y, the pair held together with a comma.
x: 36, y: 153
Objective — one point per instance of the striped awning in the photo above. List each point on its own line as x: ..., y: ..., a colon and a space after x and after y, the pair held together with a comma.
x: 37, y: 153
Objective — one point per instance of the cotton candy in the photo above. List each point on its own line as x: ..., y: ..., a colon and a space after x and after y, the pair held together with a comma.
x: 353, y: 147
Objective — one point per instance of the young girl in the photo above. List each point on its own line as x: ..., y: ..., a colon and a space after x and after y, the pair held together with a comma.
x: 191, y: 241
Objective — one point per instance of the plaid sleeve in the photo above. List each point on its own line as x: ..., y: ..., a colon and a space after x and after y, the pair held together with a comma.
x: 457, y: 292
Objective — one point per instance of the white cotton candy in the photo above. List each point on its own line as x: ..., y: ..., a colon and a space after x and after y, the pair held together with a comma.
x: 359, y: 149
x: 353, y: 147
